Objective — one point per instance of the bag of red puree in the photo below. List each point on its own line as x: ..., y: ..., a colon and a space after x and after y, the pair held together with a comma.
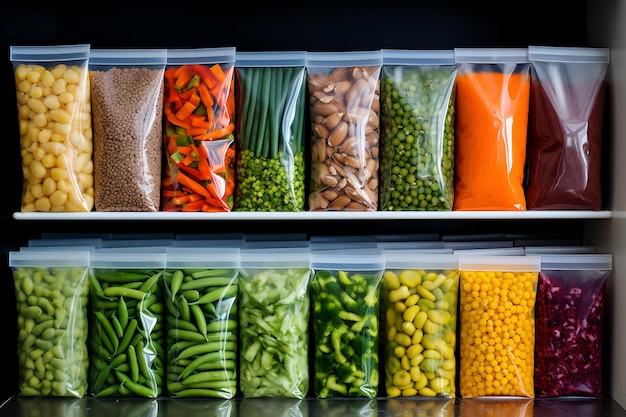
x: 569, y: 317
x: 565, y: 127
x: 493, y: 87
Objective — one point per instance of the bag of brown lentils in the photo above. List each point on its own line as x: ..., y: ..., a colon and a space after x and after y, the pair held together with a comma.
x: 127, y: 107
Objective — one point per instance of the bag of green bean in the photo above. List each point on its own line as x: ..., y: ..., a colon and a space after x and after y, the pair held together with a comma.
x: 126, y: 327
x: 419, y: 302
x: 270, y: 131
x: 417, y: 130
x: 201, y: 299
x: 51, y: 291
x: 344, y: 108
x: 274, y: 322
x: 345, y: 295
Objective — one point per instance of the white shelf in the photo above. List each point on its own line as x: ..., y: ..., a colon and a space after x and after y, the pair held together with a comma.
x: 318, y: 215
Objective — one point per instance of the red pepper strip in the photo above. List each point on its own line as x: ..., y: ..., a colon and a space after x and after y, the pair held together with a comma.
x: 195, y: 131
x: 206, y: 75
x: 199, y: 121
x: 189, y: 170
x: 205, y: 94
x: 193, y: 206
x: 203, y: 162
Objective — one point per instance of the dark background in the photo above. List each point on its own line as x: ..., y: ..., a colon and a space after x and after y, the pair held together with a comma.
x: 312, y: 26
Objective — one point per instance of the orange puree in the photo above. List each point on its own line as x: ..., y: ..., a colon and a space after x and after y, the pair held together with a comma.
x: 491, y: 126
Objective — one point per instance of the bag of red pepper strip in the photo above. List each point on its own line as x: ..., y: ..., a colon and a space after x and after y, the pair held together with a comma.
x: 569, y: 322
x: 199, y: 139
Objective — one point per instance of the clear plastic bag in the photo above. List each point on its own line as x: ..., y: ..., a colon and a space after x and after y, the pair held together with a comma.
x: 346, y: 302
x: 51, y: 291
x: 56, y: 139
x: 419, y: 302
x: 492, y: 99
x: 274, y: 320
x: 418, y: 90
x: 199, y: 141
x: 497, y: 316
x: 344, y: 106
x: 127, y: 104
x: 126, y: 327
x: 201, y: 299
x: 565, y: 127
x: 271, y: 114
x: 569, y: 323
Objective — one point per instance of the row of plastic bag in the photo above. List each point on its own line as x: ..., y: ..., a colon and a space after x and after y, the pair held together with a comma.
x: 217, y: 322
x: 215, y: 129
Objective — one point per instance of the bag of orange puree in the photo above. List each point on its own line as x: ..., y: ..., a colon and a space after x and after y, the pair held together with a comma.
x: 493, y: 87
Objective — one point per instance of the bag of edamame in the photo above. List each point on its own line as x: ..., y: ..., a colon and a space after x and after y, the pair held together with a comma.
x: 51, y: 291
x: 417, y: 116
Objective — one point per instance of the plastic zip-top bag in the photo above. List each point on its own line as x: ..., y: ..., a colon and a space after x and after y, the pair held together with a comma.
x: 344, y: 106
x: 565, y: 127
x: 127, y: 105
x: 199, y: 140
x: 493, y: 87
x: 271, y: 113
x: 418, y: 90
x: 56, y: 139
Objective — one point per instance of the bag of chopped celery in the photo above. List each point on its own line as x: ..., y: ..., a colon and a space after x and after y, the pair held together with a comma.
x: 56, y: 141
x: 198, y: 108
x: 419, y: 302
x: 271, y: 110
x: 497, y: 321
x: 274, y: 322
x: 569, y: 321
x: 345, y: 295
x: 51, y: 290
x: 417, y: 117
x: 201, y: 299
x: 344, y: 108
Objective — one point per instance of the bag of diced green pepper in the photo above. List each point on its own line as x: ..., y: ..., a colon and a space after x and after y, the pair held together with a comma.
x: 345, y: 294
x: 51, y: 291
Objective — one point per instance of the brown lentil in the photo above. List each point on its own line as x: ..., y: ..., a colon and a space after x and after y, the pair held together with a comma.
x: 127, y: 108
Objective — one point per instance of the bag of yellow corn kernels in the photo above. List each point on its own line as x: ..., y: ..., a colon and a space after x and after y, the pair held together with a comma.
x: 419, y: 305
x: 54, y: 113
x: 497, y: 322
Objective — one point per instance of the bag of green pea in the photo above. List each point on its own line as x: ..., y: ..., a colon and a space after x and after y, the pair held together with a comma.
x: 201, y: 300
x: 270, y: 130
x: 417, y: 116
x: 51, y: 291
x: 274, y: 321
x: 126, y: 326
x: 346, y: 304
x: 419, y: 302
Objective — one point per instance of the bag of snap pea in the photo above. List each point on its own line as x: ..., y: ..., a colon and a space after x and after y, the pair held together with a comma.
x: 201, y: 299
x: 497, y: 319
x: 271, y: 111
x: 417, y: 116
x: 346, y: 302
x: 344, y: 107
x: 56, y: 141
x: 492, y: 100
x: 126, y: 327
x: 274, y: 322
x: 51, y: 291
x: 127, y: 105
x: 569, y: 322
x: 199, y: 141
x: 419, y: 303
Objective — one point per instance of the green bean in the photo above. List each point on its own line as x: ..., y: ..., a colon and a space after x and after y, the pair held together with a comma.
x: 195, y: 350
x: 217, y: 294
x: 124, y: 292
x: 203, y: 283
x: 180, y: 334
x: 177, y: 323
x: 207, y: 357
x: 133, y: 363
x: 177, y: 280
x: 135, y: 388
x: 122, y: 311
x: 121, y: 277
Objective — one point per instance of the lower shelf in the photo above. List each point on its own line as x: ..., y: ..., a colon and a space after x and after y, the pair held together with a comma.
x: 271, y: 407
